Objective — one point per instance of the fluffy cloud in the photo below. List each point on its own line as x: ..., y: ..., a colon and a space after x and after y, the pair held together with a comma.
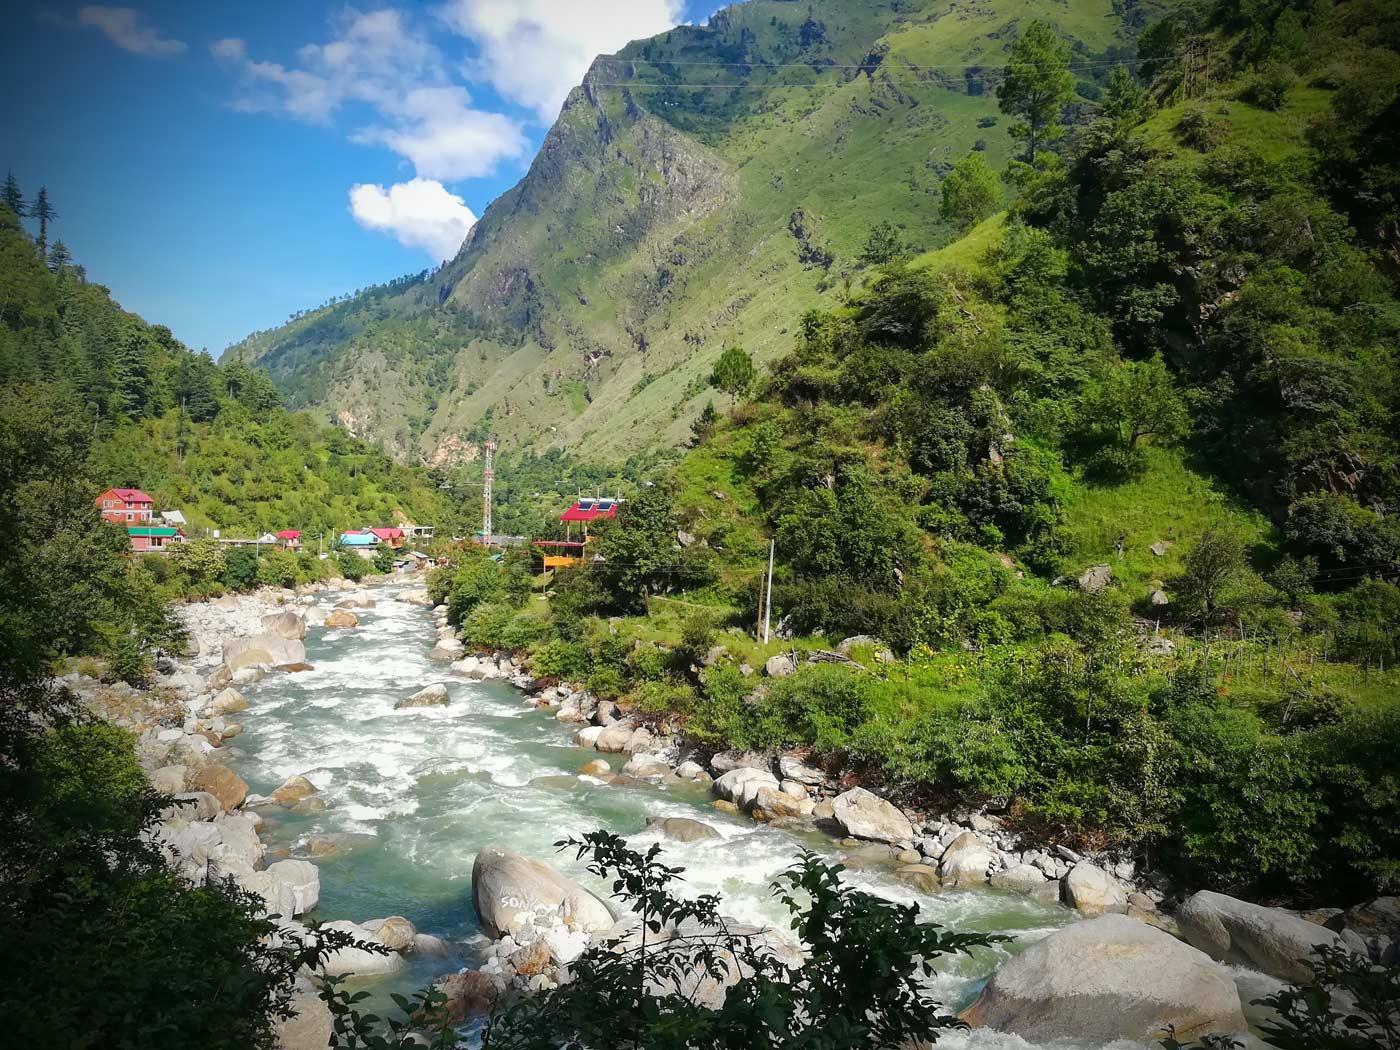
x: 126, y: 27
x: 375, y: 60
x: 420, y: 213
x: 534, y: 51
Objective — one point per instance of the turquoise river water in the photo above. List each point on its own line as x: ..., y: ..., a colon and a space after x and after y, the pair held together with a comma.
x: 423, y: 789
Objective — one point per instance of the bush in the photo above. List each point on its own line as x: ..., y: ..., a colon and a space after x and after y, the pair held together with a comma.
x: 91, y: 779
x: 567, y: 661
x: 1199, y: 130
x: 278, y: 568
x: 1268, y: 87
x: 819, y: 706
x: 351, y: 565
x: 240, y: 568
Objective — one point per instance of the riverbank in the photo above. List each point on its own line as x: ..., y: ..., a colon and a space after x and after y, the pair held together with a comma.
x: 403, y: 798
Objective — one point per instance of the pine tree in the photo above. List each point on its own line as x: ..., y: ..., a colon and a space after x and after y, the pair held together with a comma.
x: 59, y: 257
x: 43, y: 211
x: 12, y: 197
x: 1037, y: 87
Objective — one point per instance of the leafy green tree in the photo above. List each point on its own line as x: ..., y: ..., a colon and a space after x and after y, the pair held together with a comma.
x: 351, y: 565
x: 638, y: 552
x: 883, y: 245
x: 201, y: 560
x: 1125, y: 102
x: 240, y: 568
x: 1214, y: 562
x: 733, y: 373
x: 1037, y: 87
x: 971, y: 192
x: 1137, y: 400
x: 384, y: 559
x: 639, y: 989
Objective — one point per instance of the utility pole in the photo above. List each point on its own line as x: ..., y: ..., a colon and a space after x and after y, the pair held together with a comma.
x: 488, y: 475
x: 768, y: 602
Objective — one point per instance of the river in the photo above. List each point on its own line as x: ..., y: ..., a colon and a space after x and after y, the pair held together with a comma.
x: 423, y: 789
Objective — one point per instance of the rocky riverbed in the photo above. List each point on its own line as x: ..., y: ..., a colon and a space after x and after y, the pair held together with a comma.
x: 339, y: 753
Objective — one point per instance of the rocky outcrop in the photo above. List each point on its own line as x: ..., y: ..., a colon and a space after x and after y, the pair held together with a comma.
x: 508, y: 887
x: 1105, y: 979
x: 864, y: 815
x: 1267, y: 939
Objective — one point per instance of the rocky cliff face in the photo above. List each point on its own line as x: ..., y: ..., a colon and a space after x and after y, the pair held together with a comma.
x: 698, y: 189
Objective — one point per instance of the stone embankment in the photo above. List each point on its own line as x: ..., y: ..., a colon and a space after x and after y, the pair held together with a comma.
x: 184, y: 726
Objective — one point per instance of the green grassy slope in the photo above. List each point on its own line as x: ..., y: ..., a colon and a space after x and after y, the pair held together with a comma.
x: 701, y: 188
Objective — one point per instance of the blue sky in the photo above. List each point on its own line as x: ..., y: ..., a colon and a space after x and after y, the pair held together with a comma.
x: 220, y: 166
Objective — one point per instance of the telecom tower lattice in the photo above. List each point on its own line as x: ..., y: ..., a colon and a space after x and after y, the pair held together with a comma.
x: 488, y: 475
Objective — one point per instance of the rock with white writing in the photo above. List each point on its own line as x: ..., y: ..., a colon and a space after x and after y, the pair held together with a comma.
x: 507, y: 885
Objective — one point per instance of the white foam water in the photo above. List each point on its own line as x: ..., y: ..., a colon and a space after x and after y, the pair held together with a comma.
x: 423, y: 789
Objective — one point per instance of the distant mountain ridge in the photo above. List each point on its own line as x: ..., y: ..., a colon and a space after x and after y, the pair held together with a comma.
x: 698, y: 189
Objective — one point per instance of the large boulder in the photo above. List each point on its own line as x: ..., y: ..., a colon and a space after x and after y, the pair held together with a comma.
x: 1096, y: 578
x: 342, y: 618
x: 704, y: 987
x: 304, y: 879
x: 772, y: 804
x: 278, y: 897
x: 395, y: 932
x: 293, y: 790
x: 1024, y: 878
x: 362, y: 962
x: 434, y: 695
x: 727, y: 760
x: 614, y: 738
x: 262, y: 651
x: 285, y: 625
x: 227, y: 702
x: 1105, y: 979
x: 793, y: 768
x: 223, y: 783
x: 467, y: 993
x: 507, y: 885
x: 308, y: 1028
x: 864, y: 815
x: 1090, y: 890
x: 741, y: 785
x: 1267, y: 939
x: 779, y: 666
x: 683, y: 829
x: 358, y: 600
x: 965, y: 861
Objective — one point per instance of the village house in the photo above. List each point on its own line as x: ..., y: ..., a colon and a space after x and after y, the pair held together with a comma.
x: 391, y: 536
x: 290, y: 538
x: 125, y: 507
x: 558, y: 554
x: 151, y: 538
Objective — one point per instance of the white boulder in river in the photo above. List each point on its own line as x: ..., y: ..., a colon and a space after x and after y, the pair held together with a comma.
x: 1105, y: 979
x: 865, y: 815
x: 507, y: 886
x: 1267, y: 939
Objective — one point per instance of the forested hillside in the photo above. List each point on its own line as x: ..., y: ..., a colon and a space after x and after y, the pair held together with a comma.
x: 214, y: 442
x: 697, y: 189
x: 1099, y: 497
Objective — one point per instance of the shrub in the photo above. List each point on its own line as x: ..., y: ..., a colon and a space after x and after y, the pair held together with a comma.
x: 560, y: 659
x: 819, y: 706
x: 1199, y: 130
x: 91, y: 779
x: 278, y: 568
x: 240, y: 568
x: 352, y: 566
x: 1268, y: 87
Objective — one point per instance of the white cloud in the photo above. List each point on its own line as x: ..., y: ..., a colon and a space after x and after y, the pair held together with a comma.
x: 126, y: 27
x: 375, y: 60
x: 420, y: 213
x: 534, y: 51
x: 444, y: 138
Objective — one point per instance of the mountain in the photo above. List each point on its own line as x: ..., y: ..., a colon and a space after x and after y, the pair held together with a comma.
x: 699, y: 189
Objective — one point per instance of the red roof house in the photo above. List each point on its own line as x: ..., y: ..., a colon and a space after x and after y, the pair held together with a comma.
x: 392, y: 536
x: 290, y: 537
x: 591, y: 510
x: 125, y: 506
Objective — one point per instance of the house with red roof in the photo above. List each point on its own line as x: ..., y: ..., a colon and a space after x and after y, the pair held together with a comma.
x: 290, y: 538
x: 558, y: 554
x: 391, y: 536
x: 125, y: 506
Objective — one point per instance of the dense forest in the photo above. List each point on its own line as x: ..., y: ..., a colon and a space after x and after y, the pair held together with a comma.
x: 211, y: 441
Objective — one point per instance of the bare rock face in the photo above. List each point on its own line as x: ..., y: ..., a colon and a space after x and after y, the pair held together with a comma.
x: 1268, y: 939
x: 506, y: 884
x: 1105, y: 979
x: 865, y: 815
